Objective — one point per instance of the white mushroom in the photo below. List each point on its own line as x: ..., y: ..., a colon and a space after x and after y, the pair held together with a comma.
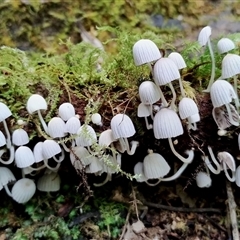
x: 203, y: 180
x: 145, y: 111
x: 237, y: 175
x: 66, y: 111
x: 225, y: 45
x: 138, y: 170
x: 3, y: 142
x: 97, y: 119
x: 167, y: 124
x: 20, y: 137
x: 49, y: 182
x: 6, y: 177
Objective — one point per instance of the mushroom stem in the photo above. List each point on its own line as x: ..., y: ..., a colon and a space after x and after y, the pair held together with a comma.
x: 42, y: 121
x: 11, y: 158
x: 51, y: 168
x: 213, y: 67
x: 181, y: 88
x: 236, y: 91
x: 230, y: 178
x: 231, y: 116
x: 9, y: 143
x: 208, y: 163
x: 61, y: 157
x: 64, y: 146
x: 173, y: 105
x: 7, y: 190
x: 133, y: 147
x: 148, y: 126
x: 192, y: 126
x: 107, y: 179
x: 185, y: 160
x: 164, y: 101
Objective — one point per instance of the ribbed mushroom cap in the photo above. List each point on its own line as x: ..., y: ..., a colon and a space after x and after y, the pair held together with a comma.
x: 72, y: 125
x: 66, y: 111
x: 50, y: 148
x: 56, y: 128
x: 20, y: 137
x: 237, y: 176
x: 228, y: 159
x: 167, y: 124
x: 49, y: 182
x: 24, y: 157
x: 148, y: 92
x: 187, y: 107
x: 111, y: 166
x: 165, y: 71
x: 204, y: 35
x: 38, y: 152
x: 2, y: 139
x: 143, y: 110
x: 221, y: 93
x: 145, y: 51
x: 95, y: 166
x: 23, y: 190
x: 6, y: 176
x: 106, y: 138
x: 178, y: 60
x: 203, y: 180
x: 83, y: 154
x: 122, y: 126
x: 36, y: 102
x: 230, y: 65
x: 86, y: 136
x: 155, y: 166
x: 5, y: 112
x: 225, y: 45
x: 138, y: 169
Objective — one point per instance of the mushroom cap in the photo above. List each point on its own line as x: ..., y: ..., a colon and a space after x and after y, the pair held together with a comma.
x: 82, y: 153
x: 86, y: 136
x: 122, y: 126
x: 23, y: 190
x: 167, y: 124
x: 72, y: 125
x: 237, y: 174
x: 111, y: 166
x: 5, y: 112
x: 96, y: 118
x: 49, y: 182
x: 164, y: 71
x: 227, y: 158
x: 38, y: 152
x: 145, y: 51
x: 203, y: 180
x: 56, y: 128
x: 95, y: 166
x: 6, y: 176
x: 66, y: 111
x: 155, y: 166
x: 20, y: 137
x: 187, y: 107
x: 225, y: 45
x: 178, y: 60
x: 106, y: 138
x: 24, y: 157
x: 138, y: 169
x: 50, y: 148
x: 221, y: 93
x: 230, y: 65
x: 36, y: 102
x: 143, y: 110
x: 204, y: 35
x: 2, y: 139
x: 148, y: 92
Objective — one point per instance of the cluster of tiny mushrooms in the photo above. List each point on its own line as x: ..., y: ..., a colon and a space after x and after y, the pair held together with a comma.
x: 97, y: 155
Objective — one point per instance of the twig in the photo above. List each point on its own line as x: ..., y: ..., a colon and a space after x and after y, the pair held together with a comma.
x: 182, y: 209
x: 126, y: 223
x: 213, y: 222
x: 232, y: 211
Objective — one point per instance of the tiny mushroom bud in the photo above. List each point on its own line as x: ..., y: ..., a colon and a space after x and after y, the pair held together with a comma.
x: 96, y: 119
x: 203, y: 180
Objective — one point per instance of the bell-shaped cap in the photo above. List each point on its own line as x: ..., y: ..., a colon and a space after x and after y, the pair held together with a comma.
x: 72, y: 125
x: 178, y: 60
x: 95, y: 166
x: 84, y: 156
x: 2, y: 139
x: 122, y: 126
x: 143, y: 110
x: 50, y: 148
x: 5, y: 112
x: 36, y: 102
x: 165, y: 70
x: 23, y: 190
x: 221, y: 93
x: 38, y: 152
x: 203, y: 180
x: 187, y: 107
x: 24, y: 157
x: 225, y: 45
x: 20, y: 137
x: 167, y: 124
x: 148, y: 92
x: 56, y: 128
x: 49, y: 182
x: 86, y: 136
x: 230, y: 65
x: 204, y: 35
x: 138, y: 170
x: 106, y: 138
x: 145, y: 51
x: 6, y: 176
x: 66, y: 111
x: 155, y: 166
x: 227, y: 158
